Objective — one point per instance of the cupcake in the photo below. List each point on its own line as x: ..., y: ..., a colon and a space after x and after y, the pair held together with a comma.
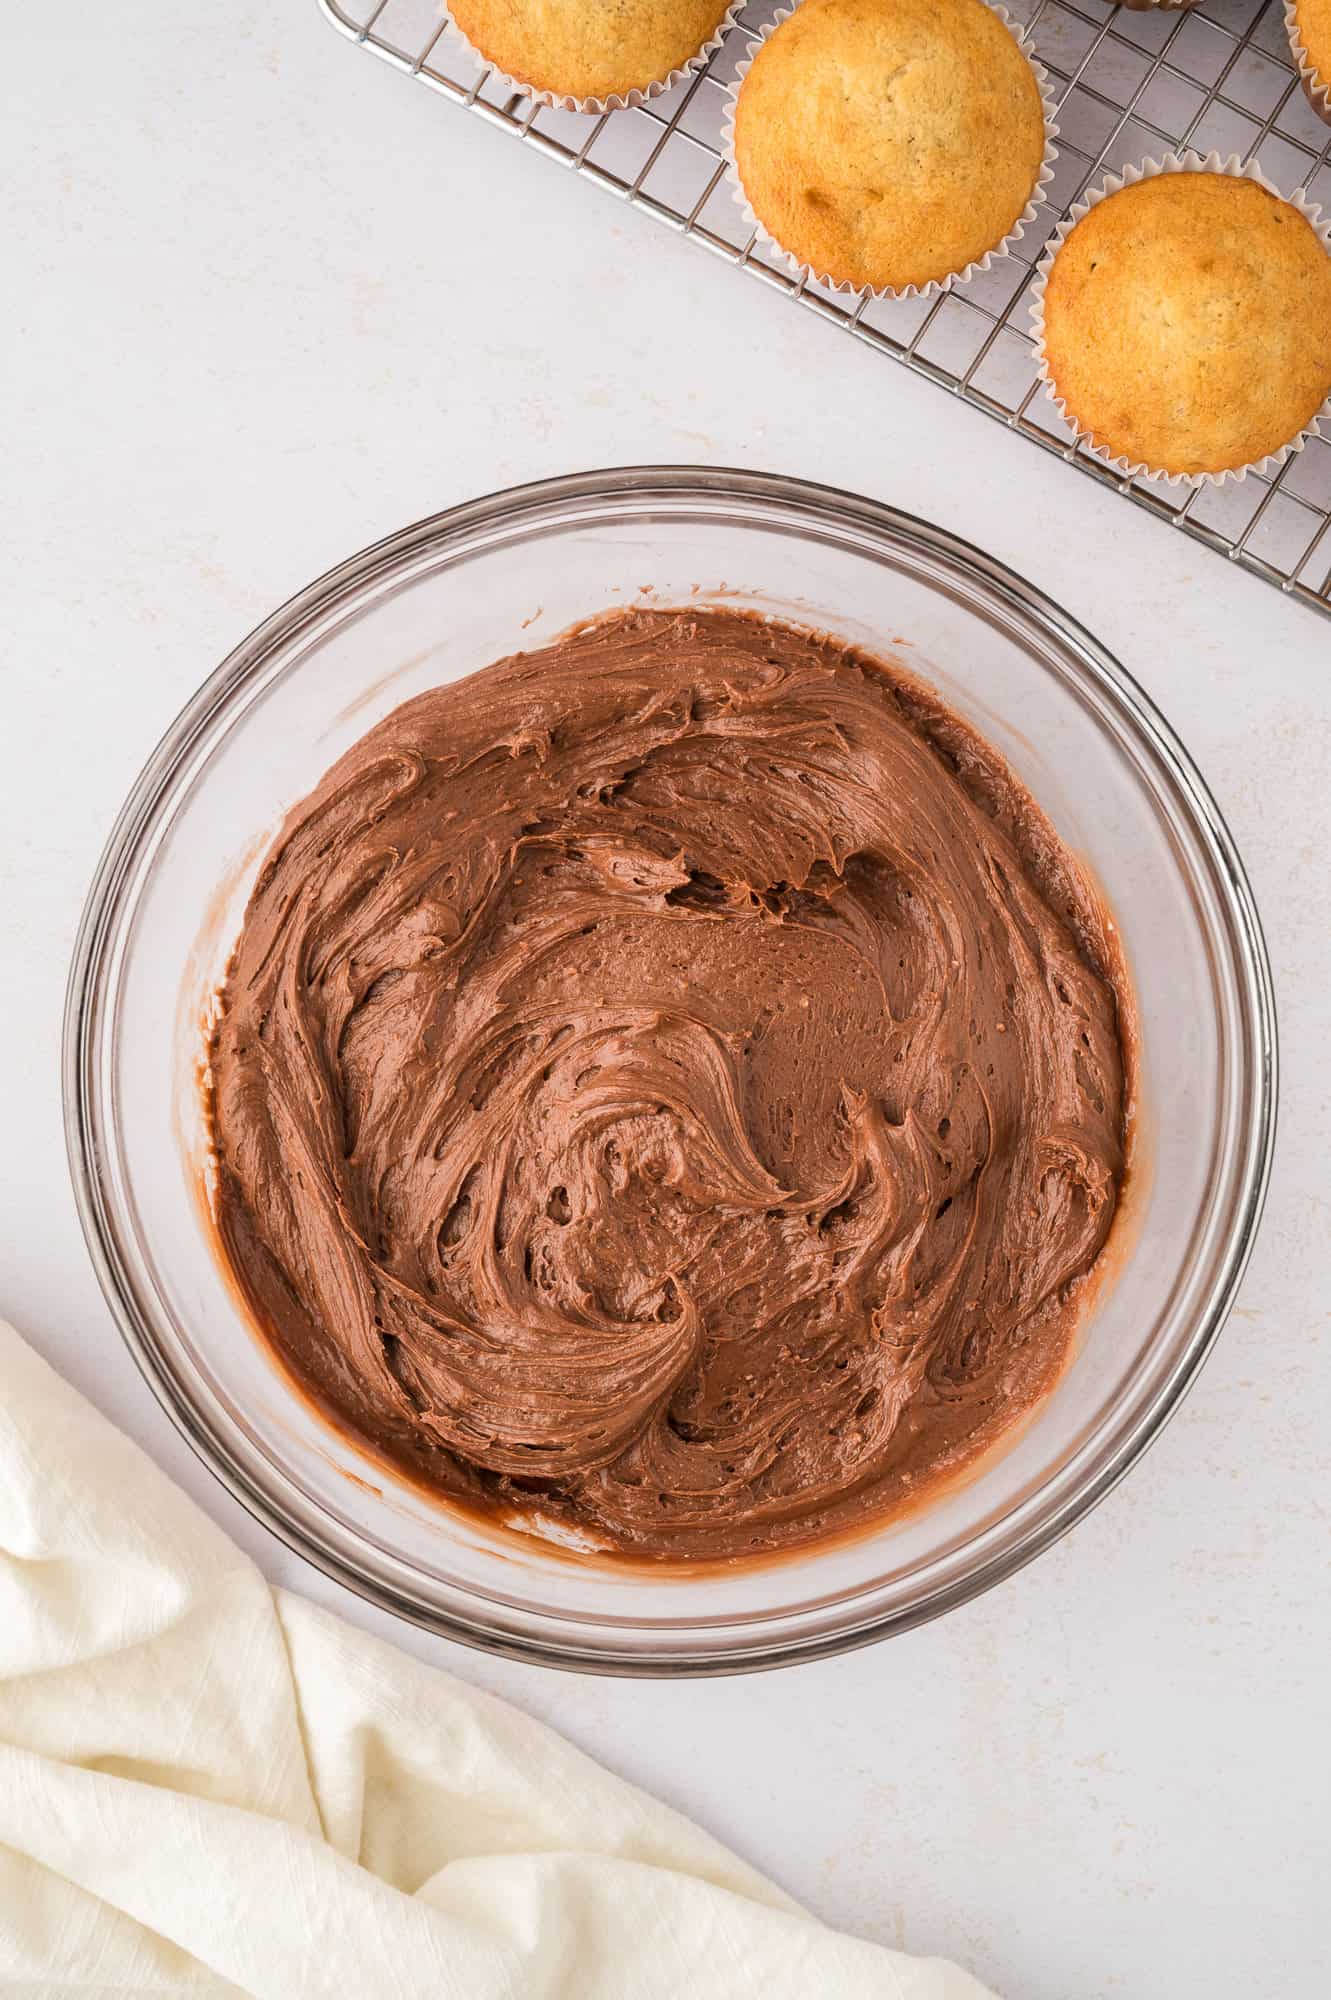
x: 588, y: 55
x: 889, y: 145
x: 1183, y: 319
x: 1309, y: 24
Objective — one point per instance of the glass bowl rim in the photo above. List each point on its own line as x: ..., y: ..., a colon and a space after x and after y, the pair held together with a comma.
x: 137, y: 821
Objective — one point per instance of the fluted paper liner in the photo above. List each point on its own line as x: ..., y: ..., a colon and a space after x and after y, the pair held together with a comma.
x: 1316, y: 87
x: 1172, y: 163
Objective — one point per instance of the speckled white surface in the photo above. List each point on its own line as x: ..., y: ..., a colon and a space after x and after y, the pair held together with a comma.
x: 266, y: 302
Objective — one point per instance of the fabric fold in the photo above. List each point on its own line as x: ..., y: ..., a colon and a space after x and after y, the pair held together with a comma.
x: 208, y: 1787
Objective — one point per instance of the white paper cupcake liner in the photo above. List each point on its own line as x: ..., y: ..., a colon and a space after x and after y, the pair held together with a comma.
x: 802, y: 270
x: 628, y: 100
x: 1316, y: 87
x: 1172, y: 163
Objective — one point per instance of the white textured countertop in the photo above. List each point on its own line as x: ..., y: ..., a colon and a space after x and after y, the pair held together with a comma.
x: 266, y: 302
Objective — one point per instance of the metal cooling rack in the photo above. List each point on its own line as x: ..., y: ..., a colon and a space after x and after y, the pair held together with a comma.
x: 1129, y: 84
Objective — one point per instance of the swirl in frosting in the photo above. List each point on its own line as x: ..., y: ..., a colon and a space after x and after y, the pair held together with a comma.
x: 671, y: 1084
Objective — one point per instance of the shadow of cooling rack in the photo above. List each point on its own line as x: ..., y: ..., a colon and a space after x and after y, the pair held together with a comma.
x: 1128, y: 84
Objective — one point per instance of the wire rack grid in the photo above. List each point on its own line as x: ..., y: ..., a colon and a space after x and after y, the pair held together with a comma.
x: 1129, y: 85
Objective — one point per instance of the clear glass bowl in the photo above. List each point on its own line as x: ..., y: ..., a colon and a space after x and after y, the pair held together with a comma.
x: 449, y: 595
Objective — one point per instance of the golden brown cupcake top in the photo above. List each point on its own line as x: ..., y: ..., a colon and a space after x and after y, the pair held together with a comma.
x: 887, y: 143
x: 588, y: 48
x: 1312, y: 28
x: 1188, y: 323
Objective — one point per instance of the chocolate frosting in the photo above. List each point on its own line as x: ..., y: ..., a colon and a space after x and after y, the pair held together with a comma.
x: 671, y: 1083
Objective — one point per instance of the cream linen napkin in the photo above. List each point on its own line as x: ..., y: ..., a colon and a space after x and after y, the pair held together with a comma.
x: 210, y: 1787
